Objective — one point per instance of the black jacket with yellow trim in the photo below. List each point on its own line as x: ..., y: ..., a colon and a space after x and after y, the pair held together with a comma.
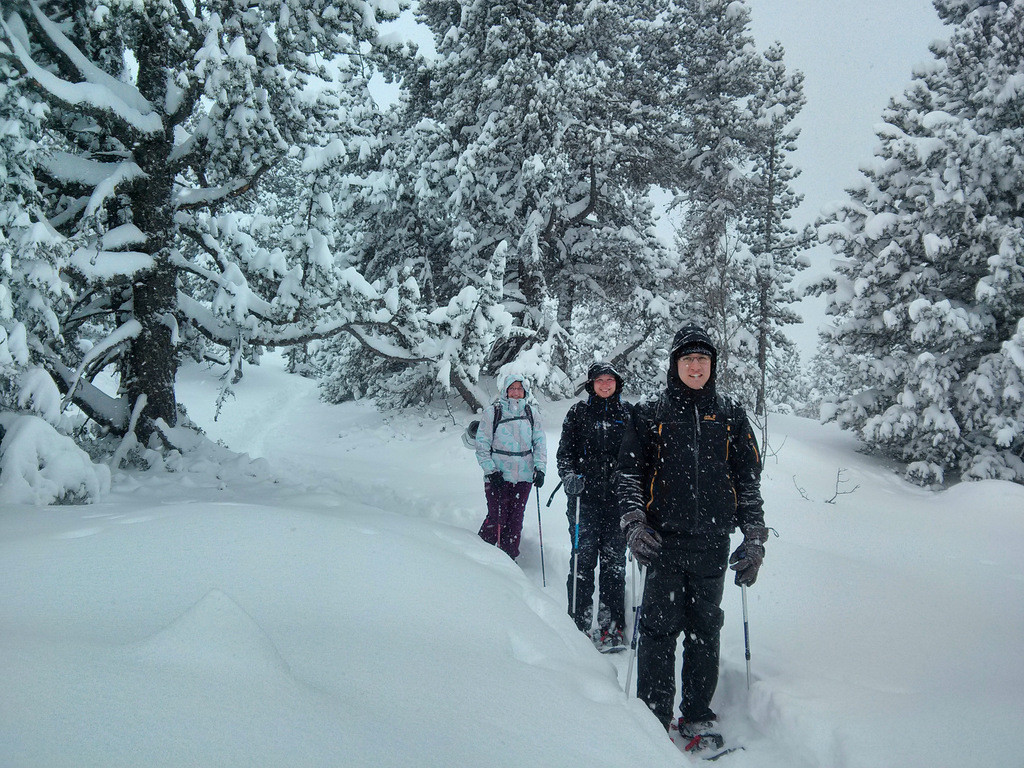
x: 689, y: 464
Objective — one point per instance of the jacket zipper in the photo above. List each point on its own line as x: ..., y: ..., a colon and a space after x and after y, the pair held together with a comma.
x: 696, y: 459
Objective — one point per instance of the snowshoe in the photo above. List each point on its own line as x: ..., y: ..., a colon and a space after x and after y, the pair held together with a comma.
x: 612, y: 641
x: 700, y: 738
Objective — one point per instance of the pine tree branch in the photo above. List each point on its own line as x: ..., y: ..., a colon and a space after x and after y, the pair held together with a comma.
x: 61, y: 59
x: 125, y: 125
x: 105, y: 410
x: 228, y: 192
x: 103, y: 117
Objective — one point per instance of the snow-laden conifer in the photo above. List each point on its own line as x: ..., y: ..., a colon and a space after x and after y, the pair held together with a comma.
x: 162, y: 119
x: 766, y: 297
x: 720, y: 71
x: 930, y: 293
x: 39, y: 461
x: 519, y: 133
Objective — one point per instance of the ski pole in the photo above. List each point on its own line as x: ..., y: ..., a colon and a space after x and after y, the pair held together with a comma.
x: 497, y: 505
x: 575, y: 554
x: 632, y: 591
x: 746, y: 632
x: 540, y: 531
x: 552, y: 496
x: 637, y: 618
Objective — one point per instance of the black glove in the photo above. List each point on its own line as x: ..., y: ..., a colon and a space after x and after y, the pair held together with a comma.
x: 573, y: 484
x: 496, y: 479
x: 538, y: 477
x: 643, y: 542
x: 749, y: 555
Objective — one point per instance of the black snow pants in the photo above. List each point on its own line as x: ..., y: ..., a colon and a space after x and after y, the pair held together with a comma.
x: 600, y: 541
x: 683, y: 594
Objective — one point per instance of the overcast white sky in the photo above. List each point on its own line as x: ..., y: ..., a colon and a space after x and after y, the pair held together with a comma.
x: 855, y: 55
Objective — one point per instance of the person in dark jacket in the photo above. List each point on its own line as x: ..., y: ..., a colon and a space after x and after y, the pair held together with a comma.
x: 587, y: 454
x: 688, y: 473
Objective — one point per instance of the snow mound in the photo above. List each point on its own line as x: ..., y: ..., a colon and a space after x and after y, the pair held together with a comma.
x: 216, y: 633
x: 40, y: 466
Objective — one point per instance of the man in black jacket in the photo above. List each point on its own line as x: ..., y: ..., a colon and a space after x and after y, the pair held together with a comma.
x: 587, y: 454
x: 688, y: 473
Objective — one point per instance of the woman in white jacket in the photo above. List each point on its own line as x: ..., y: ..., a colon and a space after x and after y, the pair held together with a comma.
x: 512, y: 451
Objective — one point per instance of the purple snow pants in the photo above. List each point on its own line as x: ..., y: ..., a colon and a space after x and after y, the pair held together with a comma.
x: 503, y: 525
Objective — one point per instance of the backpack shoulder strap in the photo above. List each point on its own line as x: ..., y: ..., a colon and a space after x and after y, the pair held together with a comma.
x: 659, y: 412
x: 731, y: 410
x: 497, y: 417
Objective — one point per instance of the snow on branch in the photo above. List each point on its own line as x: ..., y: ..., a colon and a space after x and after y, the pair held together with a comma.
x: 120, y: 335
x: 107, y: 265
x: 210, y: 197
x: 237, y: 288
x: 98, y: 92
x: 124, y: 92
x: 94, y: 402
x: 75, y: 168
x: 205, y: 321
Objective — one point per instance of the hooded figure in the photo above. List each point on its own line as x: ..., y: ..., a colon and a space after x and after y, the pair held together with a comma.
x: 587, y: 453
x: 688, y: 475
x: 512, y: 451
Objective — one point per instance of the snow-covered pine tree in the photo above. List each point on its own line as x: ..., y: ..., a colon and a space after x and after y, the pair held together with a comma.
x: 39, y: 462
x: 822, y: 381
x: 494, y: 94
x: 630, y: 129
x: 512, y: 135
x: 163, y: 117
x: 721, y: 68
x: 31, y: 291
x: 929, y: 301
x: 766, y: 299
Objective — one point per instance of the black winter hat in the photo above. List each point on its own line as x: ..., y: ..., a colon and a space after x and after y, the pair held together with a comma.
x: 601, y: 368
x: 694, y: 348
x: 692, y: 340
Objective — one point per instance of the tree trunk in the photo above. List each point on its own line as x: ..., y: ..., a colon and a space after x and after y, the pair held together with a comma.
x: 761, y: 406
x: 152, y: 362
x: 765, y: 283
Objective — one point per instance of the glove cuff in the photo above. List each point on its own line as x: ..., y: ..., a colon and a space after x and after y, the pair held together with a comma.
x: 634, y: 516
x: 755, y: 534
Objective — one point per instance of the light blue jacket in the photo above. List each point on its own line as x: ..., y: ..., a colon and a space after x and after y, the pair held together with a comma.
x: 515, y: 447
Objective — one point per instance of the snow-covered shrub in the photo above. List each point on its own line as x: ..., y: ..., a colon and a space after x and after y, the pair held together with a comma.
x: 40, y: 466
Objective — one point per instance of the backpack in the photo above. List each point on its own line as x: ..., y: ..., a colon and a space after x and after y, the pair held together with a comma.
x: 469, y: 434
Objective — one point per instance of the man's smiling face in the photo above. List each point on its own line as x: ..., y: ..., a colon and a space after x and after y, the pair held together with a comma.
x: 694, y: 370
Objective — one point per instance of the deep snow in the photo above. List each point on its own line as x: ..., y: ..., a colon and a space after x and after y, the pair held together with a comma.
x: 347, y: 614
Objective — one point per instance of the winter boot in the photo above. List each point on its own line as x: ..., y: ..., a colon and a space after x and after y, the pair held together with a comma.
x: 695, y: 735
